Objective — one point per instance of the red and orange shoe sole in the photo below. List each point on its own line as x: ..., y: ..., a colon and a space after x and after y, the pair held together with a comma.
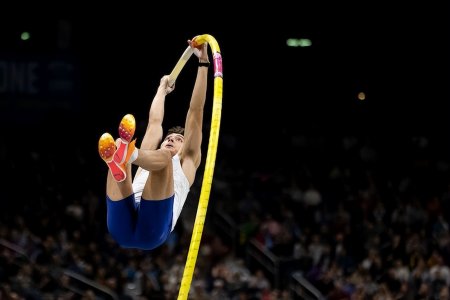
x: 127, y: 128
x: 107, y: 150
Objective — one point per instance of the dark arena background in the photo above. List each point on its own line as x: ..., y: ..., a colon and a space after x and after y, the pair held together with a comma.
x: 332, y: 173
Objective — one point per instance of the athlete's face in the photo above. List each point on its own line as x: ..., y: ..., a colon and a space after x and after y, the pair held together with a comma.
x: 173, y: 142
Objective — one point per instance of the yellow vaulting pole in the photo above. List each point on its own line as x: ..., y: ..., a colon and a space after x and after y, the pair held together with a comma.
x: 180, y: 64
x: 210, y: 159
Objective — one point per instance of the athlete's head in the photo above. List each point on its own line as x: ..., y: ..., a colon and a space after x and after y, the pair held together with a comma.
x: 174, y: 140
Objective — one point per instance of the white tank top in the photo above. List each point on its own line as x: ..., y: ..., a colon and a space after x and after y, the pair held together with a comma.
x: 181, y: 187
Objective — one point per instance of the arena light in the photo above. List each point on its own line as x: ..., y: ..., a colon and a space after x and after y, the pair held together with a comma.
x: 25, y: 36
x: 298, y: 42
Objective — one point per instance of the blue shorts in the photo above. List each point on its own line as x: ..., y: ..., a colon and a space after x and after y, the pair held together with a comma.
x: 145, y: 225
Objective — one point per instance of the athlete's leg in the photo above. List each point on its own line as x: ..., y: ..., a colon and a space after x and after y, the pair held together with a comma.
x: 120, y: 204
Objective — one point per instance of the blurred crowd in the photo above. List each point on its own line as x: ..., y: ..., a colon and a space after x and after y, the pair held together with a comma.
x: 359, y: 217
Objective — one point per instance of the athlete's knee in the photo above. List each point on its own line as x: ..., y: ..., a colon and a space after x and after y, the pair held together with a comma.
x: 164, y: 161
x: 166, y: 155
